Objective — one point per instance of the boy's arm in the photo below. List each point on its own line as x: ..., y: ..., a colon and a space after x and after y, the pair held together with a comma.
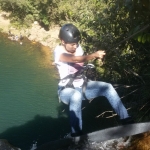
x: 78, y: 59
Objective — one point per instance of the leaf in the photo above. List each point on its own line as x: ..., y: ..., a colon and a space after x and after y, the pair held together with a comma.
x: 139, y: 38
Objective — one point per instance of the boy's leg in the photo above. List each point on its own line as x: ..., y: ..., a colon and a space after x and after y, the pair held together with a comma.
x: 97, y: 88
x: 74, y: 99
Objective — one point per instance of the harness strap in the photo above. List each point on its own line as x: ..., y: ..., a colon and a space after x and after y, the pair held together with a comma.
x: 72, y: 77
x: 78, y: 75
x: 84, y: 87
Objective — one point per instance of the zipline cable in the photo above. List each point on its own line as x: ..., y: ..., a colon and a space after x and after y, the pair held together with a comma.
x: 144, y: 28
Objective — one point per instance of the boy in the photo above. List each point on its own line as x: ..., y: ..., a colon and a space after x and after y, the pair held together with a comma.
x: 69, y: 60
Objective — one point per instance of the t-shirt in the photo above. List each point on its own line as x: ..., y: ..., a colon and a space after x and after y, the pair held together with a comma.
x: 65, y: 68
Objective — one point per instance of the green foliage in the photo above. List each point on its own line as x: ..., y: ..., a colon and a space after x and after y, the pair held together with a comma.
x: 143, y: 37
x: 28, y: 20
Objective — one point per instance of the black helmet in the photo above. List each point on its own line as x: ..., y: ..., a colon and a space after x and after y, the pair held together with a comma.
x: 69, y: 33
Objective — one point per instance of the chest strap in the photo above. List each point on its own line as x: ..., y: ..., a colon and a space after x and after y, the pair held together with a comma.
x: 72, y: 77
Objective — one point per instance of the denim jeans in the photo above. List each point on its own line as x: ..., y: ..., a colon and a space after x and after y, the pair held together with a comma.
x: 74, y: 97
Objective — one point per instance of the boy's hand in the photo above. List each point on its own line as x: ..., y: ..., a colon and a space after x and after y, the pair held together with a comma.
x: 100, y: 54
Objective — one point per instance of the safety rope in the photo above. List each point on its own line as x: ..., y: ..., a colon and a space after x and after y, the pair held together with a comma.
x: 144, y: 28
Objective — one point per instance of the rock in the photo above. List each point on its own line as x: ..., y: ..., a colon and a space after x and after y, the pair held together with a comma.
x: 34, y: 33
x: 53, y: 63
x: 35, y: 22
x: 5, y: 145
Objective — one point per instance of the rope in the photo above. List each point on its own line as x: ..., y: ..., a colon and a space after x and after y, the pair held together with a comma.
x: 144, y: 28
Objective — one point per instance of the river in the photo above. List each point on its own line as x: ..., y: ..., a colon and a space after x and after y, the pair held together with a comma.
x: 29, y: 107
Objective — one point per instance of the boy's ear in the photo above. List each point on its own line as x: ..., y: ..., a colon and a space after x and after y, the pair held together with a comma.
x: 63, y: 42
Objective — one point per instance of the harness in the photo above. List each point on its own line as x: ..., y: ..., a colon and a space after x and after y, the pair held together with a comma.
x: 80, y: 74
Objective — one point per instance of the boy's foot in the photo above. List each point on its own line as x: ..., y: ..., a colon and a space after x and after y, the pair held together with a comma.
x: 68, y: 136
x: 71, y: 135
x: 76, y: 134
x: 128, y: 120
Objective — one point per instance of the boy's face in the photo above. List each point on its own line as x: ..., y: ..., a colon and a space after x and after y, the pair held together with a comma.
x: 70, y: 47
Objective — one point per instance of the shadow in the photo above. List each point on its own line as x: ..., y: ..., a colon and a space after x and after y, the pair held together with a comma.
x: 41, y: 129
x: 46, y: 27
x: 90, y: 110
x: 93, y: 109
x: 64, y: 144
x: 113, y: 133
x: 68, y: 140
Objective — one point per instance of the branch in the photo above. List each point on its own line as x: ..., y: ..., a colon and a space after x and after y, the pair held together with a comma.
x: 102, y: 114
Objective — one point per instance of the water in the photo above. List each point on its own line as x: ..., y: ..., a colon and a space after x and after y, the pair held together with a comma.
x: 29, y: 108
